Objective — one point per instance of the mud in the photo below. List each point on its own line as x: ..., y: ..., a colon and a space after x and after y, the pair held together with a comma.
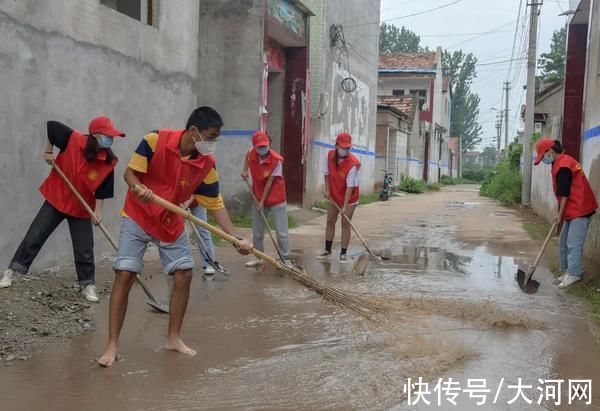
x: 43, y: 308
x: 266, y: 342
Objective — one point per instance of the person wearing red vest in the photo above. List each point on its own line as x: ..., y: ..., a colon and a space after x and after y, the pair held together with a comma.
x: 340, y: 169
x: 576, y: 206
x: 268, y: 186
x: 171, y: 164
x: 88, y: 162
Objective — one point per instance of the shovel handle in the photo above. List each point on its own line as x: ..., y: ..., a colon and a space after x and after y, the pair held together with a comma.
x: 101, y: 226
x: 546, y: 241
x: 84, y: 204
x: 264, y: 217
x: 364, y: 243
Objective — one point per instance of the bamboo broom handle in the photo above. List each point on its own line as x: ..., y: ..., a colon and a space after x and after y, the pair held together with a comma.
x: 219, y: 233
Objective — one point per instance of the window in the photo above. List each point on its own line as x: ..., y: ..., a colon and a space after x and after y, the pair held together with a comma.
x: 422, y: 95
x: 398, y: 93
x: 145, y: 11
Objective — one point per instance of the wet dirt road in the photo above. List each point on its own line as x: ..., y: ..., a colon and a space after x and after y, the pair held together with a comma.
x: 264, y: 342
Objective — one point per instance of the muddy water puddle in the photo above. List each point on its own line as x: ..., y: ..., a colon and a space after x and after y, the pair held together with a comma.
x: 265, y: 342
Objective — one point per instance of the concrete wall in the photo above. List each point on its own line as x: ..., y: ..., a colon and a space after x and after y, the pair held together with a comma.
x: 590, y: 157
x: 415, y: 149
x: 543, y: 200
x: 387, y: 85
x: 71, y: 61
x: 337, y: 110
x: 230, y: 72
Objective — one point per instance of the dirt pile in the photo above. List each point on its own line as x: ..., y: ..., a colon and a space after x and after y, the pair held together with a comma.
x: 40, y: 309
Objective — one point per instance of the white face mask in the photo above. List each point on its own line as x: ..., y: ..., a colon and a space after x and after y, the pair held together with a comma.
x: 204, y: 147
x: 262, y: 150
x: 343, y: 152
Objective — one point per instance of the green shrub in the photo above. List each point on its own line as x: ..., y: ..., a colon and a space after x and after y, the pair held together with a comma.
x: 433, y: 187
x: 410, y: 185
x: 368, y: 198
x: 475, y: 173
x: 504, y: 182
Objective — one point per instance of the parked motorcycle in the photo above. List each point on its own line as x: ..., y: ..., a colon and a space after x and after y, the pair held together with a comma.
x: 386, y: 190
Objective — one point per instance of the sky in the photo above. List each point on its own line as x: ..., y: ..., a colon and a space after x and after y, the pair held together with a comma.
x: 460, y: 26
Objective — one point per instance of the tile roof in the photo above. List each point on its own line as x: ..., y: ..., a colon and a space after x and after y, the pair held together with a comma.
x: 407, y: 61
x: 405, y: 103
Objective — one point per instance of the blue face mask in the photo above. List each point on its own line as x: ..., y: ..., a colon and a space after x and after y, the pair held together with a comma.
x: 105, y: 141
x: 262, y: 150
x: 548, y: 160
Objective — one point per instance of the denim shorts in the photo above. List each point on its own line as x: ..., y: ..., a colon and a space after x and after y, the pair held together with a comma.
x: 132, y: 246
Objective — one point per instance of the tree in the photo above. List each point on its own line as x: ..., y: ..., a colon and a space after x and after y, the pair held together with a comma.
x: 488, y: 156
x: 395, y: 40
x: 553, y: 64
x: 465, y: 104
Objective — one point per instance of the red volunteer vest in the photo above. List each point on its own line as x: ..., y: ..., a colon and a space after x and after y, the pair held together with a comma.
x: 337, y: 178
x: 261, y: 173
x: 85, y: 176
x: 582, y: 200
x: 171, y: 178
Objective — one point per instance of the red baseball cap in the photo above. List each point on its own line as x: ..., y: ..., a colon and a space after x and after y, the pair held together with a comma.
x: 541, y: 147
x: 260, y: 139
x: 344, y: 140
x: 104, y: 125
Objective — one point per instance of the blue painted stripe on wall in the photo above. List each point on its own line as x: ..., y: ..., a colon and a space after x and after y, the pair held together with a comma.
x: 237, y: 133
x: 354, y: 150
x: 591, y: 133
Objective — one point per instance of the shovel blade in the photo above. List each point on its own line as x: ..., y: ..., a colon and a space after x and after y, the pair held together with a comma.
x: 527, y: 284
x: 158, y: 306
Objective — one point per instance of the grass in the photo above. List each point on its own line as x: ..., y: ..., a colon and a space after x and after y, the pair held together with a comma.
x: 368, y: 198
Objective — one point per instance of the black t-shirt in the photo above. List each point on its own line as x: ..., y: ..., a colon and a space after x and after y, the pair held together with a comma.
x: 564, y: 179
x: 59, y: 136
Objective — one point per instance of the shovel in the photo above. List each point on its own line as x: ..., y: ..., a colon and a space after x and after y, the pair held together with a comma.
x: 524, y: 280
x: 214, y: 264
x: 266, y: 222
x: 152, y: 302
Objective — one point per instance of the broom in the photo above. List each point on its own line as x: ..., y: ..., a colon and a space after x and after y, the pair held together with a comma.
x: 365, y: 309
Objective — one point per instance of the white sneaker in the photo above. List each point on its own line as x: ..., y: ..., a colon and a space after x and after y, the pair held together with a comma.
x: 7, y: 278
x: 89, y: 292
x: 558, y: 280
x: 568, y: 280
x: 209, y: 270
x: 253, y: 264
x: 324, y: 255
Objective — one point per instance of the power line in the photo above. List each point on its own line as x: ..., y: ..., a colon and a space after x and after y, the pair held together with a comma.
x: 481, y: 35
x: 408, y: 15
x: 500, y: 62
x: 515, y: 37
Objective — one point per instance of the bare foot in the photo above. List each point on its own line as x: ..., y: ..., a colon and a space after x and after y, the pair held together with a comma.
x: 179, y: 346
x: 109, y: 358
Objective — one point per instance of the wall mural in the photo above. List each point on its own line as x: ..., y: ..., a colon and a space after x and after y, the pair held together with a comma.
x: 287, y: 14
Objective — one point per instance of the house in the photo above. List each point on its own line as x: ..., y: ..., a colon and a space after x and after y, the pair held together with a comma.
x: 274, y: 65
x: 343, y: 87
x: 455, y: 157
x: 399, y: 139
x: 579, y: 126
x: 471, y: 158
x: 420, y: 75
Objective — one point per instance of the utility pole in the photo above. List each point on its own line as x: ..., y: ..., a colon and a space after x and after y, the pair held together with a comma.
x: 530, y: 104
x: 498, y: 136
x: 506, y: 131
